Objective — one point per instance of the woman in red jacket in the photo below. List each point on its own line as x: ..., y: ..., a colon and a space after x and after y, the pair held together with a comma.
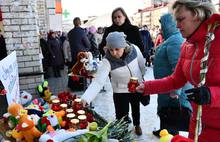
x: 199, y: 24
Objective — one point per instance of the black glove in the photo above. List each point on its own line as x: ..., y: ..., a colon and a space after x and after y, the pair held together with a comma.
x: 200, y: 95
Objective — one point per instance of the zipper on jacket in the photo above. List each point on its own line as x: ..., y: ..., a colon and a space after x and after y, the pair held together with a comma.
x: 191, y: 66
x: 128, y: 68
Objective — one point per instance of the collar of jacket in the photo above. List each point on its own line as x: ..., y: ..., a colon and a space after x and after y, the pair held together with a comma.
x: 200, y: 33
x: 122, y: 27
x: 115, y: 62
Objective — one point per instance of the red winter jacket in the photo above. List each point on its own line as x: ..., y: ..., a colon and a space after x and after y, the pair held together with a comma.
x: 187, y: 69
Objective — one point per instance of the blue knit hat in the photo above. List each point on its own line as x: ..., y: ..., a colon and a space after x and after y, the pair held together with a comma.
x: 116, y: 40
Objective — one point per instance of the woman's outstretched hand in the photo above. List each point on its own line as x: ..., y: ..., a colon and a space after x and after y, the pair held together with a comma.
x: 140, y: 88
x: 85, y: 104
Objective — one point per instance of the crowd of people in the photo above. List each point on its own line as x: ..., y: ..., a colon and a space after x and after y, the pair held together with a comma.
x: 92, y: 39
x: 185, y: 56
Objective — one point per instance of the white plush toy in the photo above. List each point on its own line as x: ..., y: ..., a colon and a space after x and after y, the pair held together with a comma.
x: 25, y: 98
x: 61, y: 135
x: 35, y: 118
x: 90, y: 65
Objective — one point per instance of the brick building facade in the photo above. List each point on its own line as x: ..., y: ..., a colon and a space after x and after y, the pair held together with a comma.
x: 22, y: 20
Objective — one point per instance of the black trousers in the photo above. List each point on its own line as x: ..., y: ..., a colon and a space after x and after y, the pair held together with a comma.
x: 56, y: 71
x: 174, y: 119
x: 121, y: 102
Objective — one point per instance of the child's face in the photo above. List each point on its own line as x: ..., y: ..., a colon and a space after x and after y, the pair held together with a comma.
x: 116, y: 52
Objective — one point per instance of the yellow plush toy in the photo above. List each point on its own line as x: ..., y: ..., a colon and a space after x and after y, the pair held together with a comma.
x: 28, y: 129
x: 17, y: 135
x: 165, y: 136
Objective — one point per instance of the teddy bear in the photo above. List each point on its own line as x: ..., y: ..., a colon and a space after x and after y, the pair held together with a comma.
x: 27, y: 128
x: 85, y: 65
x: 82, y: 57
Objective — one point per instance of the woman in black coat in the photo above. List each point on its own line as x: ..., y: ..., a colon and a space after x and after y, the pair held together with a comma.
x: 121, y: 23
x: 56, y: 57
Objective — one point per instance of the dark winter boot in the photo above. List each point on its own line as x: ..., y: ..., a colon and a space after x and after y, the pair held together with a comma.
x: 156, y: 133
x: 138, y: 130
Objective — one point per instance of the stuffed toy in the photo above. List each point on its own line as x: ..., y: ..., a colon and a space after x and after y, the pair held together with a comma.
x: 91, y: 66
x: 52, y: 120
x: 41, y: 103
x: 27, y: 128
x: 13, y: 115
x: 82, y: 57
x: 165, y: 136
x: 17, y: 135
x: 35, y: 109
x: 44, y: 91
x: 85, y: 65
x: 14, y: 109
x: 60, y: 115
x: 35, y: 118
x: 25, y: 98
x: 61, y: 135
x: 48, y: 123
x: 57, y: 114
x: 43, y: 122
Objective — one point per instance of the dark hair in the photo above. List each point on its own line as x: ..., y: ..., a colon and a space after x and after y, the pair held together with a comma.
x: 50, y: 34
x: 123, y: 12
x: 76, y: 21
